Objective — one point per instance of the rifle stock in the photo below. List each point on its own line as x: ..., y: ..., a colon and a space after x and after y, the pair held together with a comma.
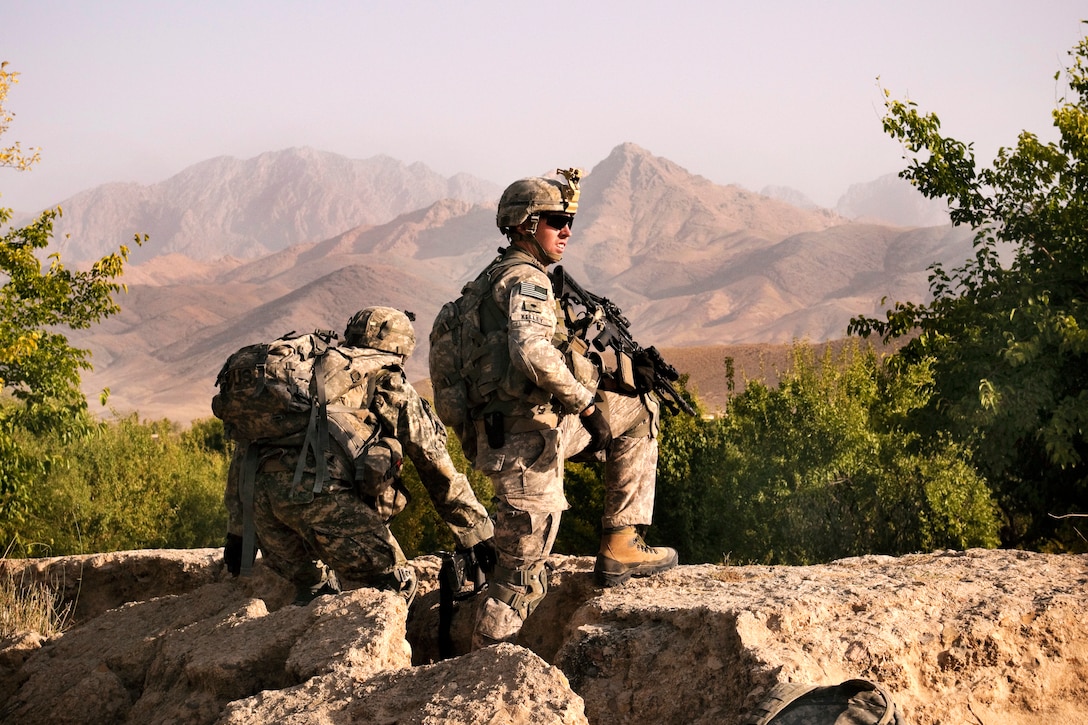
x: 628, y: 365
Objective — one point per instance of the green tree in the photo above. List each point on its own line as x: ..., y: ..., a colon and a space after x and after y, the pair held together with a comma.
x: 419, y: 529
x: 39, y: 369
x: 12, y: 156
x: 1006, y: 334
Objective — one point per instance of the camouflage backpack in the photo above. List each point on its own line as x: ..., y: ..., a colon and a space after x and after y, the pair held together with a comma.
x: 465, y: 367
x: 264, y: 389
x: 288, y: 392
x: 853, y: 702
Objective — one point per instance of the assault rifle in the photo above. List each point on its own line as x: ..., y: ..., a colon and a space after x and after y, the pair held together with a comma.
x: 625, y: 365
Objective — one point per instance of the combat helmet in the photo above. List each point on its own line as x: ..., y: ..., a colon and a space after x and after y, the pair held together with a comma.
x: 525, y: 199
x: 382, y: 328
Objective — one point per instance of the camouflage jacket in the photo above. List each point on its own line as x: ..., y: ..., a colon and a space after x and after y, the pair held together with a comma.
x: 524, y: 293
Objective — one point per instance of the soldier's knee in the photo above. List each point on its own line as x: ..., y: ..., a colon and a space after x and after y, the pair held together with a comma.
x: 520, y: 589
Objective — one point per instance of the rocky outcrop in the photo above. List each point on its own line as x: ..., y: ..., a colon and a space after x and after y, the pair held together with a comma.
x: 994, y: 637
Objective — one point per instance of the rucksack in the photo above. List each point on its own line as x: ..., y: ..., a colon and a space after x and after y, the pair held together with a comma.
x: 264, y: 388
x: 288, y: 392
x: 269, y: 392
x: 465, y: 369
x: 853, y: 702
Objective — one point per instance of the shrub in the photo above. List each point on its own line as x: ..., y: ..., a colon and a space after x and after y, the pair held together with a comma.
x: 125, y: 485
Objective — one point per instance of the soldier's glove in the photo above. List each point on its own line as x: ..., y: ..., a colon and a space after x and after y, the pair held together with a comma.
x: 600, y: 433
x: 645, y: 371
x: 232, y: 554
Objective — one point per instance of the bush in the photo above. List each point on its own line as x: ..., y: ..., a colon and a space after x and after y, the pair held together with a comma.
x: 125, y: 485
x: 819, y: 468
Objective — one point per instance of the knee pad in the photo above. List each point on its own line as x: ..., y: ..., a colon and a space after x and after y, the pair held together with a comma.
x: 520, y: 589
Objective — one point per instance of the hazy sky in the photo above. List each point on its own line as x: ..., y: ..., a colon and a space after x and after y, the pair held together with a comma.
x: 751, y: 93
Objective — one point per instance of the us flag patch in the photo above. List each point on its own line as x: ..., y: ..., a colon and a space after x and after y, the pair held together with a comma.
x: 528, y: 289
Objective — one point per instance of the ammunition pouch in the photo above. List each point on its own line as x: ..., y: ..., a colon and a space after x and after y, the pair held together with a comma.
x: 497, y: 422
x: 379, y: 467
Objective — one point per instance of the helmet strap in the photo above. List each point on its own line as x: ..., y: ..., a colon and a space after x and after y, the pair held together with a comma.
x: 532, y: 246
x: 526, y: 234
x: 544, y: 256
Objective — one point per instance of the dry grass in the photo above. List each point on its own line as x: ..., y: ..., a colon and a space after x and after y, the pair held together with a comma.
x: 28, y: 605
x: 31, y: 607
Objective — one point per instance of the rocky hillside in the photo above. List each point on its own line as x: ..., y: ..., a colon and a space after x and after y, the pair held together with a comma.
x: 690, y: 262
x: 248, y: 208
x: 994, y: 637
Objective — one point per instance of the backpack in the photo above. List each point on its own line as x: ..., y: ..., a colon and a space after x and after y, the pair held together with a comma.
x: 853, y: 702
x: 465, y: 370
x: 264, y: 389
x: 288, y: 392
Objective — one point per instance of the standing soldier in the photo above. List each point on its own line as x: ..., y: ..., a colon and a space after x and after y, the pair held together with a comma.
x: 539, y: 410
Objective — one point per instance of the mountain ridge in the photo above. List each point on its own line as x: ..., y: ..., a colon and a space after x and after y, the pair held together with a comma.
x: 248, y: 208
x: 691, y: 263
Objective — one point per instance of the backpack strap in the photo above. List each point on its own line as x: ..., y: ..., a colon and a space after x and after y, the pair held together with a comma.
x: 249, y: 528
x: 317, y: 431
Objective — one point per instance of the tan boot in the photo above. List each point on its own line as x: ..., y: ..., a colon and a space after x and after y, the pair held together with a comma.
x: 624, y: 554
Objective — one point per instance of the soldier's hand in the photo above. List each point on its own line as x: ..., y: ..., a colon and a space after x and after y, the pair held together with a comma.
x: 644, y: 372
x: 600, y: 433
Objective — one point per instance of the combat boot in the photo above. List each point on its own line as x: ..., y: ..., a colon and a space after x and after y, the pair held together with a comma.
x: 624, y: 554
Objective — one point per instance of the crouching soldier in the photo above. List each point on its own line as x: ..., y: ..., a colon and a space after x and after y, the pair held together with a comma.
x: 333, y: 511
x: 531, y: 408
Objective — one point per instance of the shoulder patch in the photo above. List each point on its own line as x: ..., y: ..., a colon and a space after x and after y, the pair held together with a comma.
x: 530, y: 289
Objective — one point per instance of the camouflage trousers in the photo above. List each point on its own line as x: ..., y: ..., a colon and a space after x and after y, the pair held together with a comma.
x: 527, y: 475
x: 298, y: 530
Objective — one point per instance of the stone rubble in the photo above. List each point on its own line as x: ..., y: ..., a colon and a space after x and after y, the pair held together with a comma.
x: 984, y: 636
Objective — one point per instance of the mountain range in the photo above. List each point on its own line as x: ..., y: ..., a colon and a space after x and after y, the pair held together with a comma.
x: 243, y: 251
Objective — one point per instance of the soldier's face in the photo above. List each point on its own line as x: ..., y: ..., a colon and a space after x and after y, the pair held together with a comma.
x: 551, y: 240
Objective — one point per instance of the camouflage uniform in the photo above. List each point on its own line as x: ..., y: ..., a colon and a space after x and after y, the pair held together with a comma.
x: 540, y: 402
x: 299, y: 530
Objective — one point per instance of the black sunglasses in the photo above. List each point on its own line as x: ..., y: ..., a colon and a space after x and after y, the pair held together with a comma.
x: 558, y: 221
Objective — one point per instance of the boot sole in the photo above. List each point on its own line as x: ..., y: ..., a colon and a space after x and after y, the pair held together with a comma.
x: 607, y: 578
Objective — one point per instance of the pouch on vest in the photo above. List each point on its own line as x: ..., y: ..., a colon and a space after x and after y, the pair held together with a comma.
x: 379, y: 467
x: 585, y: 372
